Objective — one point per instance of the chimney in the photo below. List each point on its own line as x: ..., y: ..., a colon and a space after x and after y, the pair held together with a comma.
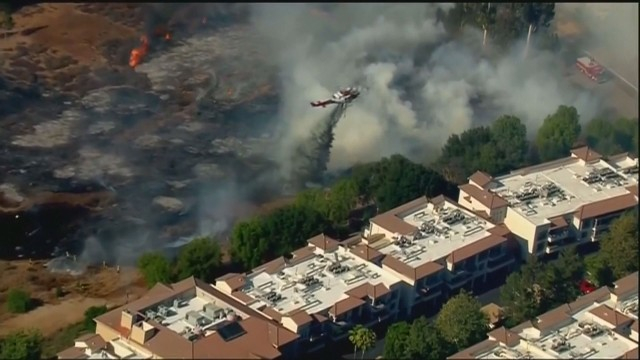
x: 127, y: 319
x: 142, y: 332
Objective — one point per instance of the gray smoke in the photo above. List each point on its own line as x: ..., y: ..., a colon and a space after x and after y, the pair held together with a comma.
x: 422, y: 86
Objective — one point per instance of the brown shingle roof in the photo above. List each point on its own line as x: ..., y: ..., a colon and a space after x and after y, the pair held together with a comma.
x: 633, y: 189
x: 611, y: 316
x: 94, y: 342
x: 300, y: 317
x: 634, y: 326
x: 370, y: 290
x: 409, y: 271
x: 72, y: 353
x: 474, y: 248
x: 481, y: 178
x: 584, y: 301
x: 470, y: 352
x: 391, y: 222
x: 505, y: 336
x: 365, y: 252
x: 169, y: 344
x: 253, y: 344
x: 552, y: 318
x: 586, y: 154
x: 233, y: 280
x: 606, y: 206
x: 485, y: 197
x: 558, y: 222
x: 272, y: 313
x: 626, y: 285
x: 345, y: 305
x: 631, y: 354
x: 324, y: 242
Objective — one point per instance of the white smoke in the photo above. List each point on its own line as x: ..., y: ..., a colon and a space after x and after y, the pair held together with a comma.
x: 409, y: 102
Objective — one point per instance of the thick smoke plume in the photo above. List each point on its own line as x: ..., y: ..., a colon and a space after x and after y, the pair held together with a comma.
x: 422, y: 86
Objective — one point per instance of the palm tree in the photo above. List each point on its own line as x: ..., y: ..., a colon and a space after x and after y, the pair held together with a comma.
x: 361, y: 338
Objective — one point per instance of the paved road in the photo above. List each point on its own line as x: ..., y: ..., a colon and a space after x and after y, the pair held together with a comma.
x: 492, y: 296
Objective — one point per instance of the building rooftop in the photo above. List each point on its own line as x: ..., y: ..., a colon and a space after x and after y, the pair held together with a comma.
x: 594, y: 326
x: 313, y: 280
x: 191, y: 319
x: 564, y: 186
x: 442, y: 227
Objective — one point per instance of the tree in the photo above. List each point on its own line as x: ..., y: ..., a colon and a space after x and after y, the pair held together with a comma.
x: 619, y: 247
x: 461, y: 322
x: 558, y: 133
x: 598, y: 271
x: 155, y: 268
x: 612, y: 137
x: 264, y: 238
x: 361, y: 338
x: 561, y: 278
x: 18, y: 301
x: 396, y: 341
x: 22, y: 344
x: 200, y: 258
x: 522, y: 296
x: 426, y: 342
x: 509, y: 138
x: 92, y: 313
x: 342, y: 199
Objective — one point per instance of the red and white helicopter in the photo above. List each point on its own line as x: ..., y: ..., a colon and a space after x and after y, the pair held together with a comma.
x: 342, y: 97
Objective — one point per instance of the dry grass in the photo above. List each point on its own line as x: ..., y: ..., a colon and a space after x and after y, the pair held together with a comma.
x: 101, y: 287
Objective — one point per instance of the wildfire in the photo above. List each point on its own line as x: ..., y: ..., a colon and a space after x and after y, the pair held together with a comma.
x: 138, y: 54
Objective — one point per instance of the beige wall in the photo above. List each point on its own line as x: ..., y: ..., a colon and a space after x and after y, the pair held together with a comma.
x: 522, y: 228
x: 376, y: 229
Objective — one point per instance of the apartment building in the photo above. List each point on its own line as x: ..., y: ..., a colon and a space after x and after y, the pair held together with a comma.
x: 186, y: 320
x: 600, y: 325
x: 559, y: 203
x: 318, y: 293
x: 437, y: 248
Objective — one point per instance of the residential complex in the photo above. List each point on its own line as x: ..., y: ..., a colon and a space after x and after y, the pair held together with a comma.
x: 552, y: 205
x: 407, y: 262
x: 186, y: 320
x: 600, y: 325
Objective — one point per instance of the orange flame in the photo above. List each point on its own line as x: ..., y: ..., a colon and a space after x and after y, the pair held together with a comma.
x: 138, y: 54
x: 167, y: 36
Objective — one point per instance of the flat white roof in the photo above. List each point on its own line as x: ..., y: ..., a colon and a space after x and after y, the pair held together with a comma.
x: 582, y: 338
x: 326, y: 288
x: 174, y: 316
x: 443, y: 228
x: 570, y: 192
x: 599, y: 342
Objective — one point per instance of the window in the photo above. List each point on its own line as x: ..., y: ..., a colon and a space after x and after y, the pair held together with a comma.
x: 540, y: 246
x: 483, y: 255
x: 542, y: 235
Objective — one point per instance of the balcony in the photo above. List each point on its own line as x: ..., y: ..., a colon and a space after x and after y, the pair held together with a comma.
x: 556, y: 236
x: 377, y: 307
x: 458, y: 278
x: 552, y: 248
x: 340, y: 329
x: 499, y: 261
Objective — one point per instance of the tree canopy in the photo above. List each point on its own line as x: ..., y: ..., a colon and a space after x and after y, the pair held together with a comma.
x: 558, y: 133
x: 396, y: 341
x: 92, y: 313
x: 426, y: 342
x: 612, y: 137
x: 461, y: 322
x: 619, y: 247
x: 23, y: 345
x: 201, y: 258
x: 264, y: 238
x: 362, y: 339
x: 496, y: 149
x: 155, y: 268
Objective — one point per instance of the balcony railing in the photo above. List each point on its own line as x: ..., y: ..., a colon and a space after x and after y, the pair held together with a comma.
x: 557, y: 236
x: 500, y: 261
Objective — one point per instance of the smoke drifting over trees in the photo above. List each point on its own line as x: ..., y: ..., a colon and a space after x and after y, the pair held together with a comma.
x: 422, y: 85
